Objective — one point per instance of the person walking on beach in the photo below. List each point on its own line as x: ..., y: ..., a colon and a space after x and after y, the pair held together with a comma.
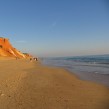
x: 16, y: 58
x: 30, y: 59
x: 35, y: 59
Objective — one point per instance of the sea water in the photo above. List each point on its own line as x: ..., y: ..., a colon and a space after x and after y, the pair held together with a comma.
x: 94, y: 68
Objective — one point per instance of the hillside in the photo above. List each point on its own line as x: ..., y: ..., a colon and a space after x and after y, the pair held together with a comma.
x: 7, y: 50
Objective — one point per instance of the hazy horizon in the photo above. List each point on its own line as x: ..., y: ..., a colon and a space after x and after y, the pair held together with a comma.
x: 55, y: 28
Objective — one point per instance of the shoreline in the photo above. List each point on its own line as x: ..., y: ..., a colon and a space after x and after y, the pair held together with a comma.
x: 89, y: 77
x: 31, y: 85
x: 102, y: 79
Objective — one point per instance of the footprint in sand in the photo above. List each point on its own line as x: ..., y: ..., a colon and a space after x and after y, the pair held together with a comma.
x: 1, y: 94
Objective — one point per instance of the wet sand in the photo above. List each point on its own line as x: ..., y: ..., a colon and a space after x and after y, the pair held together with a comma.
x: 30, y: 85
x: 94, y: 77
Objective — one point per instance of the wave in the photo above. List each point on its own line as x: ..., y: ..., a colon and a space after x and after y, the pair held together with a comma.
x: 97, y: 63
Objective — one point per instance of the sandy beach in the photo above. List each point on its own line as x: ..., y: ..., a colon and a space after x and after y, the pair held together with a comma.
x: 30, y: 85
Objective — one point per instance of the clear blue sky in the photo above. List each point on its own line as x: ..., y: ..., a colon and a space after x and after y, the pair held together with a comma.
x: 56, y: 27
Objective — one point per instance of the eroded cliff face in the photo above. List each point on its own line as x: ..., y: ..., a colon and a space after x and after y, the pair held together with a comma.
x: 7, y: 50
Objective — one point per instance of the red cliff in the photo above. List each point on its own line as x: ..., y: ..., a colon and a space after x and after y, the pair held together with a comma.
x: 7, y: 50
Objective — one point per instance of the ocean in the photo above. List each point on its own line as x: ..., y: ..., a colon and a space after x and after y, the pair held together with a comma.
x: 92, y: 68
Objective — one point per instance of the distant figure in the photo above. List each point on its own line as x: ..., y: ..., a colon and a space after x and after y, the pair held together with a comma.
x: 35, y: 59
x: 30, y: 59
x: 16, y: 58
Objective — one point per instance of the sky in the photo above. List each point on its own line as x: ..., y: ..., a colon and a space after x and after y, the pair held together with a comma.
x: 52, y: 28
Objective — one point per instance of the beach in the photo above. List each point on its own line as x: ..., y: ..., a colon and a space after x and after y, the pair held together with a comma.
x: 31, y: 85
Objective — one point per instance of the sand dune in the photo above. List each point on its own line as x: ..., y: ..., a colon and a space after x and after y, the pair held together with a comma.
x: 29, y: 85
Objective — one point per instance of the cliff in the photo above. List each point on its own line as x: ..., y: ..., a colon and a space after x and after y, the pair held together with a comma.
x: 7, y: 50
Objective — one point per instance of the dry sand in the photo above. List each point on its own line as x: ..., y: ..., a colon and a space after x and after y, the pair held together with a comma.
x: 29, y: 85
